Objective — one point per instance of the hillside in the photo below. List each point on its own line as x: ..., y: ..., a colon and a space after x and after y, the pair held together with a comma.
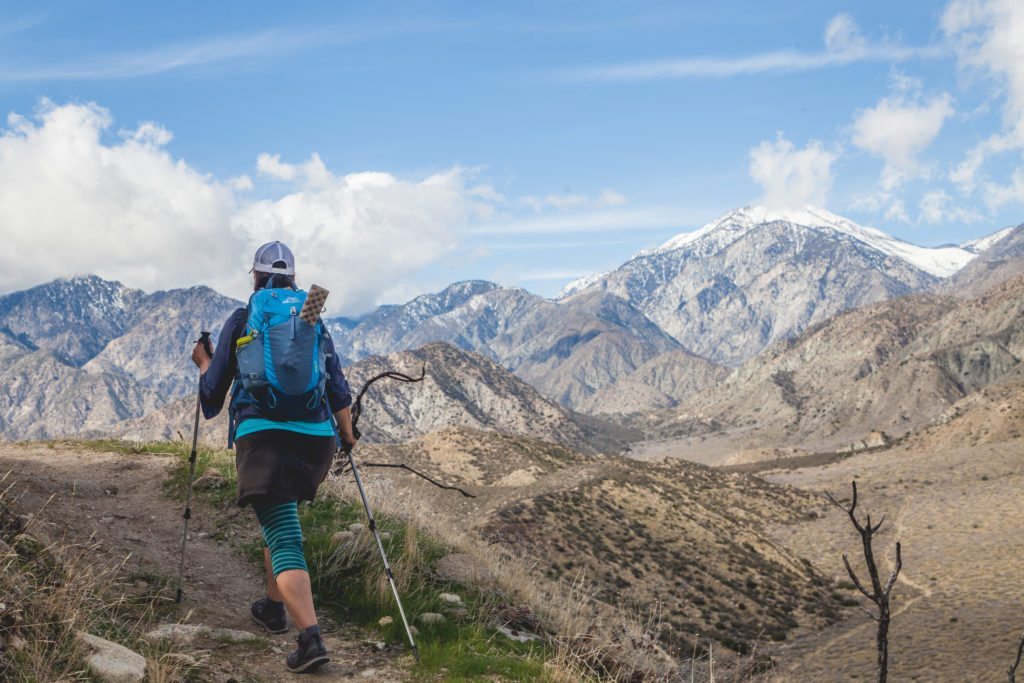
x: 567, y: 350
x: 892, y: 366
x: 460, y: 389
x: 677, y: 537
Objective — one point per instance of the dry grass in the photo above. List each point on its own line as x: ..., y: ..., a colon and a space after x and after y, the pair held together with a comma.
x: 588, y: 639
x: 50, y: 591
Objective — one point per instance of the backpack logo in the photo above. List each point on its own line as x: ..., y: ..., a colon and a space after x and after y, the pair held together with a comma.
x: 291, y: 300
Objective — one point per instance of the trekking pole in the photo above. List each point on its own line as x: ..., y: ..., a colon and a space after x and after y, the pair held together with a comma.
x: 357, y: 411
x: 204, y: 339
x: 383, y: 555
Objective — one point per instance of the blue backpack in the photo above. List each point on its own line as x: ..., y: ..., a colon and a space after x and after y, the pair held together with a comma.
x: 282, y: 359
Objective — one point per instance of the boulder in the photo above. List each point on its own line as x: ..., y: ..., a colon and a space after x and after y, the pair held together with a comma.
x: 451, y: 598
x: 430, y: 618
x: 113, y: 663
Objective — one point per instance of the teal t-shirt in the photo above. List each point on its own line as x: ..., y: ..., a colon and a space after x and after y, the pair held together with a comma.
x: 258, y: 424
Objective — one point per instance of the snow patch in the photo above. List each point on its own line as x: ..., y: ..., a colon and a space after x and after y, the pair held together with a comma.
x: 979, y: 245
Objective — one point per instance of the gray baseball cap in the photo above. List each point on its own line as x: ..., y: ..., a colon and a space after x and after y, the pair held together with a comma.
x: 274, y: 257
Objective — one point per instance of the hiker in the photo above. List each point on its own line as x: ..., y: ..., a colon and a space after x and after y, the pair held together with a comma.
x: 280, y: 461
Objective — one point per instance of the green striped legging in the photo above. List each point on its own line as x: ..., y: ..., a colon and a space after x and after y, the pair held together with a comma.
x: 282, y: 534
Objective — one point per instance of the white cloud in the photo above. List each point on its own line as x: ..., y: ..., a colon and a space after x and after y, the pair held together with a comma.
x: 360, y: 233
x: 72, y: 203
x: 609, y: 197
x: 75, y: 199
x: 937, y: 207
x: 568, y: 200
x: 898, y: 130
x: 842, y: 35
x: 271, y: 166
x: 844, y: 44
x: 989, y: 38
x: 997, y: 195
x: 792, y: 177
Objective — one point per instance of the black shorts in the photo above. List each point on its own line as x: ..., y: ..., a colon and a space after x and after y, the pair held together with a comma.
x: 282, y: 464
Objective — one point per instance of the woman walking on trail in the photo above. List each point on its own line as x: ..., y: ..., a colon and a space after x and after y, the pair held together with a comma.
x: 279, y: 461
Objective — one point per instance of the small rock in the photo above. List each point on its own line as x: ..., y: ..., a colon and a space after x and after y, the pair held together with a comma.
x: 430, y: 618
x: 368, y: 673
x: 414, y: 631
x: 17, y: 643
x: 380, y: 646
x: 180, y: 634
x: 110, y: 490
x: 106, y: 520
x: 341, y: 537
x: 231, y: 635
x: 356, y: 527
x: 385, y: 621
x: 385, y: 535
x: 451, y: 598
x: 457, y: 612
x: 113, y: 663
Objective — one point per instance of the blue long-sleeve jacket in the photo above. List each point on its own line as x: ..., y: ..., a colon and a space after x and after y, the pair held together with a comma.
x: 216, y: 381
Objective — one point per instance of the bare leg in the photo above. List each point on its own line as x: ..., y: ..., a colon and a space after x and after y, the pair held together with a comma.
x: 297, y: 594
x: 272, y: 591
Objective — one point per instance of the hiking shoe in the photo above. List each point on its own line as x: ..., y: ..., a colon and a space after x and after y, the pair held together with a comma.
x: 269, y: 615
x: 309, y: 655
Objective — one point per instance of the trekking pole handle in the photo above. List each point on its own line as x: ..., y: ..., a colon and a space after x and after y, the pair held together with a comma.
x: 204, y: 339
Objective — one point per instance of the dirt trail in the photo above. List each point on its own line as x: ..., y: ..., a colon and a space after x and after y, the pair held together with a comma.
x: 117, y: 501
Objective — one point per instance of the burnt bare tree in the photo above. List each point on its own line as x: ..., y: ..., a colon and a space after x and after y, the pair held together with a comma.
x: 1012, y: 671
x: 879, y: 593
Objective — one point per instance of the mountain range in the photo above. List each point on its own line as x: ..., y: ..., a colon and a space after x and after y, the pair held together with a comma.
x: 664, y: 329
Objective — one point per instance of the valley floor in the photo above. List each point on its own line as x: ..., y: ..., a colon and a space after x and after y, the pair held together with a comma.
x: 958, y: 511
x: 958, y: 606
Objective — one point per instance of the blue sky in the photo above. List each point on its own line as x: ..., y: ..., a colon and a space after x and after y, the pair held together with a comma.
x: 523, y: 142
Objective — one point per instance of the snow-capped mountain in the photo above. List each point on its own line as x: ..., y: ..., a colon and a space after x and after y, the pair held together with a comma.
x: 756, y: 275
x: 73, y: 317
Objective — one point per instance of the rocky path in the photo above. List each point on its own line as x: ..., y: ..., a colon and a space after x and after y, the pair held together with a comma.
x: 116, y: 502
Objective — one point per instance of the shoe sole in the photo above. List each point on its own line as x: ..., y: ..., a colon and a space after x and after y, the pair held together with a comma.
x: 267, y: 628
x: 311, y: 665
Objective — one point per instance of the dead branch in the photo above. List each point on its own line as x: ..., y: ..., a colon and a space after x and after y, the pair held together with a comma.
x: 878, y: 594
x: 1012, y: 671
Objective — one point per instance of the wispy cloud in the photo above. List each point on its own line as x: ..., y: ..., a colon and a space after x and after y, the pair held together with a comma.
x: 593, y: 221
x: 214, y: 50
x: 843, y: 44
x: 545, y: 275
x: 573, y: 244
x: 13, y: 25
